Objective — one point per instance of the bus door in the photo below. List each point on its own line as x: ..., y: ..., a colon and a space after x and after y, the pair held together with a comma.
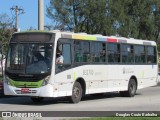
x: 63, y: 69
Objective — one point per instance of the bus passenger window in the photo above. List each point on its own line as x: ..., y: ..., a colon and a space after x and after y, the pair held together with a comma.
x: 78, y: 51
x: 139, y: 54
x: 151, y: 56
x: 66, y: 53
x: 98, y: 52
x: 86, y: 53
x: 82, y: 53
x: 113, y: 51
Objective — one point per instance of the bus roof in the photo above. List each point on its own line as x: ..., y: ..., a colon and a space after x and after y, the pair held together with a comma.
x: 96, y: 37
x: 34, y: 31
x: 113, y: 39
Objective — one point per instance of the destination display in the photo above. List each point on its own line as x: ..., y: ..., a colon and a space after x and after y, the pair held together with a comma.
x: 31, y: 37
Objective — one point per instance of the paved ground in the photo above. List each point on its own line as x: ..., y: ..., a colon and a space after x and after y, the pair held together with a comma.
x: 146, y: 100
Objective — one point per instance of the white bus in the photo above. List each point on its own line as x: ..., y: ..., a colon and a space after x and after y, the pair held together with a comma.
x: 91, y: 64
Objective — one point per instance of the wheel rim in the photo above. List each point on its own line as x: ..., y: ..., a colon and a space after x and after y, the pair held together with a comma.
x: 76, y: 92
x: 132, y: 88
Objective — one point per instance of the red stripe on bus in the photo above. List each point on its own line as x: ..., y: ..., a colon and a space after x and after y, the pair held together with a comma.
x: 112, y: 40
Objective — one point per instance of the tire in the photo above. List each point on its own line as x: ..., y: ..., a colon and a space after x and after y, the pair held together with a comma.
x: 132, y: 87
x: 37, y: 99
x: 76, y: 93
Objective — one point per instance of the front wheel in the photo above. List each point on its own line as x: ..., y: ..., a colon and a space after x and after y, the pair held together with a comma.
x: 132, y: 87
x: 37, y: 99
x: 76, y: 93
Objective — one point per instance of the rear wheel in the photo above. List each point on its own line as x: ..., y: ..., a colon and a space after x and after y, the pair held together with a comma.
x: 76, y: 93
x: 37, y: 99
x: 132, y: 87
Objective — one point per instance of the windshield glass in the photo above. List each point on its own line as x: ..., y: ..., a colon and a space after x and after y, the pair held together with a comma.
x: 29, y: 58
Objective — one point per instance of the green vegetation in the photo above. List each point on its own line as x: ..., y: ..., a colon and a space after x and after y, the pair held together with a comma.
x: 5, y: 35
x: 5, y: 32
x: 138, y: 19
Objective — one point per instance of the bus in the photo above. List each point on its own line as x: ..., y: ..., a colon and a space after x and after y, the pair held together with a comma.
x: 91, y: 64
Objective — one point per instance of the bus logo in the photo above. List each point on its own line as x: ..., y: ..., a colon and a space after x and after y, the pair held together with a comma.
x: 6, y: 114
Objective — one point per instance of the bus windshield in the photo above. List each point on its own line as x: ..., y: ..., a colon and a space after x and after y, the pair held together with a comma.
x: 29, y: 58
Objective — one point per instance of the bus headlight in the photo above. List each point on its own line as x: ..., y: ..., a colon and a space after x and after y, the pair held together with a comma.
x: 45, y: 80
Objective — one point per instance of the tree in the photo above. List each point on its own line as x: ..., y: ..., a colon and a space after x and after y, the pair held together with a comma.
x: 5, y: 21
x: 156, y: 13
x: 5, y: 33
x: 96, y: 20
x: 139, y: 19
x: 79, y: 15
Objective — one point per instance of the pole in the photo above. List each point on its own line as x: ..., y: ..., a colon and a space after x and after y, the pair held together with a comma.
x: 40, y: 15
x: 17, y: 11
x: 16, y: 17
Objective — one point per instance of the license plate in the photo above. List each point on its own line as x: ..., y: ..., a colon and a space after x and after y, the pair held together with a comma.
x: 25, y: 90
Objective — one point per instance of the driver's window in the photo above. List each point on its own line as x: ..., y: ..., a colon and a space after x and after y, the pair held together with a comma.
x: 63, y: 56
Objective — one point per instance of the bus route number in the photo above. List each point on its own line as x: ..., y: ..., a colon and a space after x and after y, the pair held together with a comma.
x: 88, y: 72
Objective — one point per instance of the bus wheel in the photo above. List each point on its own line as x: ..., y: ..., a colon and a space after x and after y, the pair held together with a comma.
x: 76, y: 93
x: 36, y: 99
x: 132, y: 87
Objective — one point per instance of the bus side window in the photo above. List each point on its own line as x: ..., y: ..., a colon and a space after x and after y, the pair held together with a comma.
x: 124, y: 51
x: 151, y: 56
x: 82, y: 53
x: 85, y: 51
x: 113, y: 51
x: 139, y: 52
x: 98, y: 52
x: 78, y: 57
x: 78, y: 51
x: 66, y: 53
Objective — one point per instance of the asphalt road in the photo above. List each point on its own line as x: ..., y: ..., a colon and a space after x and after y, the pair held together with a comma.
x: 147, y: 99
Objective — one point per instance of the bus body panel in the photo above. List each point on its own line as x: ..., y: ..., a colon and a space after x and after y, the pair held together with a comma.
x: 114, y: 79
x: 98, y: 77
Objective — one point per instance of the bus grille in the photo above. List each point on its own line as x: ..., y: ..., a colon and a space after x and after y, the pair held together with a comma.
x: 31, y: 79
x: 29, y: 92
x: 27, y: 86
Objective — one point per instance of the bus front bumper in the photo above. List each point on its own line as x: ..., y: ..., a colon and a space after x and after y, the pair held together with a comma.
x: 44, y: 91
